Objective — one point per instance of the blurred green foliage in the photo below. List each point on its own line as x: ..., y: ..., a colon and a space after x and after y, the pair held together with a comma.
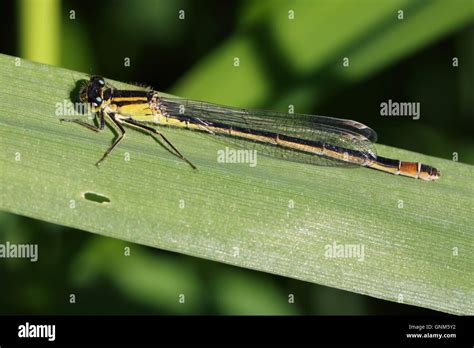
x: 281, y: 62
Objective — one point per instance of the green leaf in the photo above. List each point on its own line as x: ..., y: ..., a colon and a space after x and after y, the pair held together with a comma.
x: 279, y: 217
x: 313, y: 45
x: 34, y: 29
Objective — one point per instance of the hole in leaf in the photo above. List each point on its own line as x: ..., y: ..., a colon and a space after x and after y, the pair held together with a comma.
x: 95, y: 197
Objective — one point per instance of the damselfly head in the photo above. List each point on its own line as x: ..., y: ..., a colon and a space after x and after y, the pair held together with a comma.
x: 93, y: 92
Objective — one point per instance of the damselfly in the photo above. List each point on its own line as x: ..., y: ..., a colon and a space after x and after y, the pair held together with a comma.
x: 303, y: 138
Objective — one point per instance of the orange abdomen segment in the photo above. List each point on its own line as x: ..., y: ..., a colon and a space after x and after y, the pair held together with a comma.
x: 411, y: 169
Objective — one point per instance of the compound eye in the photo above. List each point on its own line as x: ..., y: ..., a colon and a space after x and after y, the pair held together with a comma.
x: 101, y: 82
x: 98, y: 100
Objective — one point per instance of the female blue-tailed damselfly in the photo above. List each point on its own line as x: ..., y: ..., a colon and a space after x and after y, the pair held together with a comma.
x: 303, y: 138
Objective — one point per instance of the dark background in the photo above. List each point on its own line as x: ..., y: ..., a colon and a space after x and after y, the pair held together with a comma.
x: 184, y: 57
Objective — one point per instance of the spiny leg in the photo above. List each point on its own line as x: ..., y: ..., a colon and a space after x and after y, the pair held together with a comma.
x: 82, y: 123
x: 101, y: 120
x: 154, y: 131
x: 116, y: 142
x: 87, y: 125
